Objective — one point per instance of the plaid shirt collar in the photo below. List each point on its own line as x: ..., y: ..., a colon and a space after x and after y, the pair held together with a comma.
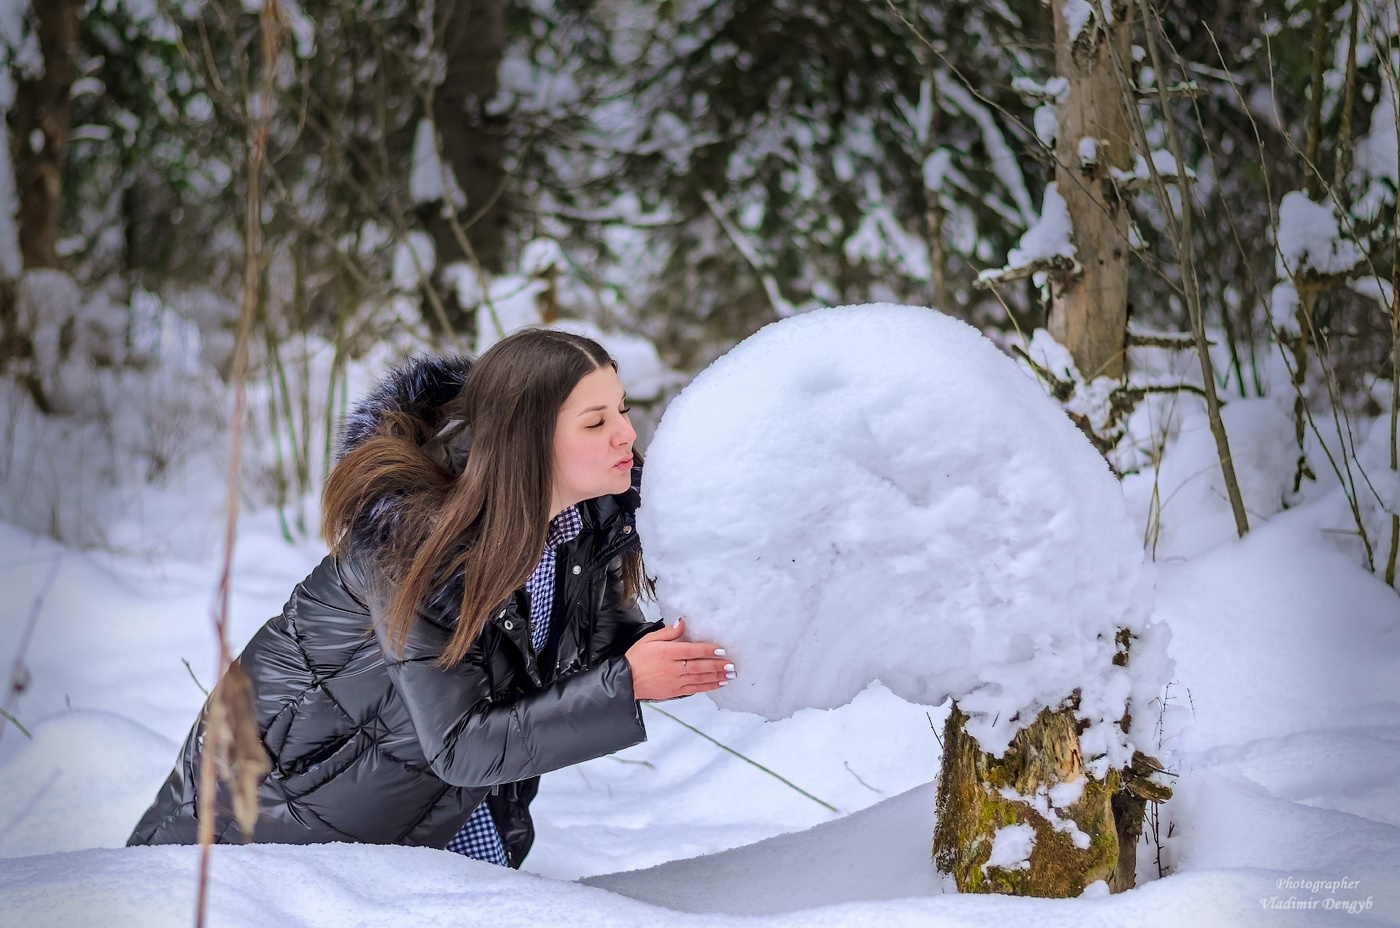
x: 564, y: 527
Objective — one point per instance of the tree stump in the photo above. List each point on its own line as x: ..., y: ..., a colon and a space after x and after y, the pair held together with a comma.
x: 1041, y: 782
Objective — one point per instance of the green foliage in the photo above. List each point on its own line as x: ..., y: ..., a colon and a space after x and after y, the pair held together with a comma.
x: 694, y: 158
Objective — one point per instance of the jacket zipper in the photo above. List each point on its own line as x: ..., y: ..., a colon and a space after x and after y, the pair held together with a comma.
x: 627, y: 541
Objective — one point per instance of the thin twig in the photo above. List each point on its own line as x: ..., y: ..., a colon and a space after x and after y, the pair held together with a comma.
x: 746, y: 760
x: 935, y: 730
x: 1181, y: 236
x: 193, y: 677
x: 847, y: 765
x: 19, y: 674
x: 6, y: 716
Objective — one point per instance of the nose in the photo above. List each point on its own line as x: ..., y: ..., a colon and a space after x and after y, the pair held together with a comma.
x: 625, y: 435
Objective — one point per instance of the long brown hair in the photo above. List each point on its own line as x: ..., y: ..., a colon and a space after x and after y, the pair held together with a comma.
x: 481, y: 531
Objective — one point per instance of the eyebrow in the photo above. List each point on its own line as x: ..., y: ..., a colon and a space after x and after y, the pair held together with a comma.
x: 585, y: 412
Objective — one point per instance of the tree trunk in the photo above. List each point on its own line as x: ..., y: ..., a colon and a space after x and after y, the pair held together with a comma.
x: 1077, y: 836
x: 1310, y: 290
x: 978, y: 796
x: 1321, y: 55
x: 473, y: 141
x: 1089, y: 310
x: 934, y: 216
x: 39, y: 130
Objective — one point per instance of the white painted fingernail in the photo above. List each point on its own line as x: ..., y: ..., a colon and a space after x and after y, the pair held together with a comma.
x: 731, y: 675
x: 729, y: 667
x: 724, y: 683
x: 719, y: 652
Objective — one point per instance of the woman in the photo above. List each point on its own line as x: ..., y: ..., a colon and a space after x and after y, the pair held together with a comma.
x: 475, y: 624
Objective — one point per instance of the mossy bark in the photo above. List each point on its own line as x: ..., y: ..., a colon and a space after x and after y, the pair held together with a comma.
x: 978, y: 795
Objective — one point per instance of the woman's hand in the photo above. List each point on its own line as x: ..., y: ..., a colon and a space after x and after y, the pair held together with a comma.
x: 664, y: 667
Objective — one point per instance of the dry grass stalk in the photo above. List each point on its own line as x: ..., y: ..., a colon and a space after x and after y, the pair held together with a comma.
x: 228, y: 753
x: 19, y: 675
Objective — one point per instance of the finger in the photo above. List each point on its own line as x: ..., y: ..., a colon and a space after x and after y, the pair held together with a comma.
x: 665, y: 633
x: 693, y: 650
x: 708, y: 665
x: 690, y: 689
x: 699, y: 679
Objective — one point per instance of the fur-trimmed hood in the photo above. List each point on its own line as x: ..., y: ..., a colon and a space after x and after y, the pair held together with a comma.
x: 420, y: 386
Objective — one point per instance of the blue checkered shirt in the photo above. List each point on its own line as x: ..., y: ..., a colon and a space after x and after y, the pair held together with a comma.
x: 478, y: 837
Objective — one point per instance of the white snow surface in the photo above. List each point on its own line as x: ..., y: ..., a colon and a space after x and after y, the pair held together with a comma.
x: 1053, y: 89
x: 1194, y: 511
x: 1377, y: 288
x: 515, y: 304
x: 936, y: 168
x: 1049, y: 237
x: 1282, y: 725
x: 1377, y: 163
x: 1046, y: 121
x: 414, y: 259
x: 1011, y: 848
x: 1163, y: 161
x: 1283, y: 307
x: 1077, y: 15
x: 1309, y: 238
x: 880, y: 237
x: 877, y: 493
x: 426, y: 179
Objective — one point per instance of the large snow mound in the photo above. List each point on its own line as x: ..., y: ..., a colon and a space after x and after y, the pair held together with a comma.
x: 876, y: 492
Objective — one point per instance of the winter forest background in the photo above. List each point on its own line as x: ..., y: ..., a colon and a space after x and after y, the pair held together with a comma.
x: 675, y: 175
x: 427, y: 175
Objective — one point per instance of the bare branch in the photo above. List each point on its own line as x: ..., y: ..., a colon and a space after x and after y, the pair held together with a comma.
x: 746, y: 248
x: 1058, y: 264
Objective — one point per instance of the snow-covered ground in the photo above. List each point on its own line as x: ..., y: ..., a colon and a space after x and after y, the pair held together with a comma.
x: 1282, y: 724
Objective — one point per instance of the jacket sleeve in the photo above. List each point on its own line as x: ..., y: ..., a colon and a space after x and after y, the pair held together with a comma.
x: 470, y: 740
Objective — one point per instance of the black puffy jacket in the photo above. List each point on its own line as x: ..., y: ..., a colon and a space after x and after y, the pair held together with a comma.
x: 372, y: 746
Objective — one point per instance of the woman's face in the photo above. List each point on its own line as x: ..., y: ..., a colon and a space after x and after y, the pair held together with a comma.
x: 592, y: 442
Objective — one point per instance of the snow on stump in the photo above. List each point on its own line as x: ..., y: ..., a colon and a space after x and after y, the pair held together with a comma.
x: 877, y: 492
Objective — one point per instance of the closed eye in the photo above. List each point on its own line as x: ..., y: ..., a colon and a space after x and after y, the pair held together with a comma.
x: 622, y: 410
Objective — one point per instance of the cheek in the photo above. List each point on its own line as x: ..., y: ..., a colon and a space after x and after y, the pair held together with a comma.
x: 578, y: 457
